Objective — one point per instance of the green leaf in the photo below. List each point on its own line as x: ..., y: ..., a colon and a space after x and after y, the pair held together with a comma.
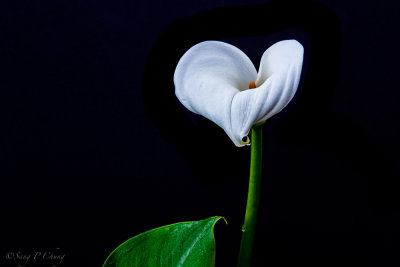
x: 180, y: 244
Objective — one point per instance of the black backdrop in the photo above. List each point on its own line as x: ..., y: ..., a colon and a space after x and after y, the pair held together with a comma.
x: 96, y: 149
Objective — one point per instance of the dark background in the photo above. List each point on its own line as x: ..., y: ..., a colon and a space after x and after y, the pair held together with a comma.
x: 95, y: 149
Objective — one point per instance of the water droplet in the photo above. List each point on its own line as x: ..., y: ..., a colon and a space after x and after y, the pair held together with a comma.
x: 243, y: 228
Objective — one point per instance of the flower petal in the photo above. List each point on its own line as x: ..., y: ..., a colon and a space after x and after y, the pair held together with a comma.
x: 207, y: 78
x: 277, y: 82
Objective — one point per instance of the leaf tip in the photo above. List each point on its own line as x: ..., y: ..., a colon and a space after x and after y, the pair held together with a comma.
x: 220, y: 217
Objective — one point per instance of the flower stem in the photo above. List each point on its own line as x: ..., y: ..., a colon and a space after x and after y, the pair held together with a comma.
x: 253, y: 198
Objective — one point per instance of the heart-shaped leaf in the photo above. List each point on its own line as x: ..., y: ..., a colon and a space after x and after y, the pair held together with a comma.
x: 181, y: 244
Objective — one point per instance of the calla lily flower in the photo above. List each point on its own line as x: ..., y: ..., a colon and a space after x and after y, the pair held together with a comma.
x: 212, y: 79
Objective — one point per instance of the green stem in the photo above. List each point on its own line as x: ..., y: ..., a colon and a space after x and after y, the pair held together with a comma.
x: 253, y: 198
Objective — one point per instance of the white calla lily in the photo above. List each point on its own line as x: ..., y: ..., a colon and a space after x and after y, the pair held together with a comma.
x: 212, y: 79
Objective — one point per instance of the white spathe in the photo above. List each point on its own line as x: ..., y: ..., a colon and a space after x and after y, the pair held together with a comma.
x: 212, y: 79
